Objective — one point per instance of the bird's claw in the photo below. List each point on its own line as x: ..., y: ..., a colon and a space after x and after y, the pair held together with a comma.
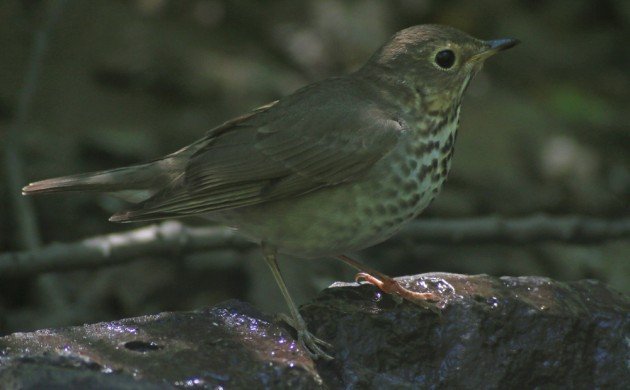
x: 307, y: 341
x: 429, y: 301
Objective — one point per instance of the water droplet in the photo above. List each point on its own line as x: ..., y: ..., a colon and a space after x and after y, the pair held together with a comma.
x: 192, y: 382
x: 378, y: 296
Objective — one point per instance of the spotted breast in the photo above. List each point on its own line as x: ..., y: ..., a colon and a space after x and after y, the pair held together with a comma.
x: 365, y: 212
x: 415, y: 174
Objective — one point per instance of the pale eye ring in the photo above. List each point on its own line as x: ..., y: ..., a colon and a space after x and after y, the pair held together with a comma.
x: 445, y: 59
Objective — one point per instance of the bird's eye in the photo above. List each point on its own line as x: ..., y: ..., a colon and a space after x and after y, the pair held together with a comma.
x: 445, y: 58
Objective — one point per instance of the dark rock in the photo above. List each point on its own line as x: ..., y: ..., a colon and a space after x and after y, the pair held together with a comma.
x: 492, y: 333
x: 230, y: 344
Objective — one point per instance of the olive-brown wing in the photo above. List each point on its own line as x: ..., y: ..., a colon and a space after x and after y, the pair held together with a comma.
x: 301, y: 144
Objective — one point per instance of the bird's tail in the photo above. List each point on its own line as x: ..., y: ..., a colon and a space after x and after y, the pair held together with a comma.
x: 132, y: 183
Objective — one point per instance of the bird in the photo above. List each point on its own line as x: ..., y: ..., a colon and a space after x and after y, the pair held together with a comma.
x: 337, y: 166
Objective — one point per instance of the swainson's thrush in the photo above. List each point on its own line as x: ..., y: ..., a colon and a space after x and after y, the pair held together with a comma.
x: 337, y: 166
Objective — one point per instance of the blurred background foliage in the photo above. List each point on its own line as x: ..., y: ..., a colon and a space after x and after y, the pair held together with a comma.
x: 545, y: 128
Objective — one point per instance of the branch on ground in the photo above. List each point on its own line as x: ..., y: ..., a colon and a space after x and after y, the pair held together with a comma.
x: 174, y: 239
x: 514, y: 231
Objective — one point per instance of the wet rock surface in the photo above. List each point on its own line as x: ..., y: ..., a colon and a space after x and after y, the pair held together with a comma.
x: 230, y: 345
x: 508, y: 332
x: 494, y: 333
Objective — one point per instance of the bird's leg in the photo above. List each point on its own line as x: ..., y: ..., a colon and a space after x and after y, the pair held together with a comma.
x: 389, y: 285
x: 306, y: 340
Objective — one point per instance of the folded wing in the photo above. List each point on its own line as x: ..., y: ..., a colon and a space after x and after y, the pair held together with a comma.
x: 302, y: 143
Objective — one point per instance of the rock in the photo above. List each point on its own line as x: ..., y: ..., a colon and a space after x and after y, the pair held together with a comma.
x: 494, y: 333
x: 230, y: 344
x: 509, y: 332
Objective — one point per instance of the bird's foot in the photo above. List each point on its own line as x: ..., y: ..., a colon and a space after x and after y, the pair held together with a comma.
x: 306, y: 340
x: 429, y: 301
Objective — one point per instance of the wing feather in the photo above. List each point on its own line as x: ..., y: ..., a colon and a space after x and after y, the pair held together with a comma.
x: 303, y: 143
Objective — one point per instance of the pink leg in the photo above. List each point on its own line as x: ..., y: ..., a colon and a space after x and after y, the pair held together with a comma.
x: 389, y: 285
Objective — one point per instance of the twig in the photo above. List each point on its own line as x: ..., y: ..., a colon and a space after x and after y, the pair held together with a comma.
x: 168, y: 238
x: 28, y: 235
x: 538, y: 228
x: 173, y: 238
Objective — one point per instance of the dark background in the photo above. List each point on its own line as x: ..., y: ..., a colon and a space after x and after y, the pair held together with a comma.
x: 544, y: 130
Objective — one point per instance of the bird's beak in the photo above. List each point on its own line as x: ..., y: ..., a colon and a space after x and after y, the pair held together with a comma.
x: 493, y: 47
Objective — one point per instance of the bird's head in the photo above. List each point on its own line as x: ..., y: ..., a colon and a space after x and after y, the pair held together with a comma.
x: 436, y: 61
